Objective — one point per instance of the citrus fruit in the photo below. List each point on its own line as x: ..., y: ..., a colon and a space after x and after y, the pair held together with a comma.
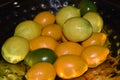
x: 70, y: 66
x: 53, y: 30
x: 77, y: 29
x: 68, y: 48
x: 28, y: 29
x: 65, y: 13
x: 86, y: 6
x: 40, y: 55
x: 43, y: 42
x: 97, y: 38
x: 95, y: 19
x: 64, y: 38
x: 44, y: 18
x: 15, y: 49
x: 94, y: 55
x: 41, y: 71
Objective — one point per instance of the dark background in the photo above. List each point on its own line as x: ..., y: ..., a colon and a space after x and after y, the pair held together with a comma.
x: 11, y: 14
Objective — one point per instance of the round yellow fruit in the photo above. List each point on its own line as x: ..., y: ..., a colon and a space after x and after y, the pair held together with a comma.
x: 95, y: 19
x: 77, y: 29
x: 66, y: 13
x: 15, y: 49
x: 28, y: 29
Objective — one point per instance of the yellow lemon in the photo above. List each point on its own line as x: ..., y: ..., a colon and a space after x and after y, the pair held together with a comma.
x: 65, y: 13
x: 15, y: 49
x: 95, y: 19
x: 28, y: 29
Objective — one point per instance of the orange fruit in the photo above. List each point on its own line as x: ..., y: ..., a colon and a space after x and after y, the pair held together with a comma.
x: 68, y: 48
x: 70, y: 66
x: 64, y: 39
x: 53, y: 30
x: 41, y: 71
x: 95, y: 55
x: 43, y: 42
x: 97, y: 38
x: 44, y: 18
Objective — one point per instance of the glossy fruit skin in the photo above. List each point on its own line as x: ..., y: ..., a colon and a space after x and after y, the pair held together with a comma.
x: 95, y: 19
x: 15, y: 49
x: 41, y: 71
x: 40, y: 55
x: 86, y: 6
x: 70, y: 66
x: 64, y: 38
x: 66, y: 13
x: 95, y: 55
x: 52, y: 30
x: 68, y: 48
x: 77, y: 29
x: 44, y: 18
x: 28, y: 29
x: 43, y: 42
x: 97, y: 38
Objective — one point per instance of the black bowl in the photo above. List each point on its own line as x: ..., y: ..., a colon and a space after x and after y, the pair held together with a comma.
x: 14, y: 11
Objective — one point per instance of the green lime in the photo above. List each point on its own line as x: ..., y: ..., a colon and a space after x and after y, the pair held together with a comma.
x: 77, y: 29
x: 86, y: 6
x: 15, y: 49
x: 28, y: 29
x: 65, y: 13
x: 40, y: 55
x: 95, y: 19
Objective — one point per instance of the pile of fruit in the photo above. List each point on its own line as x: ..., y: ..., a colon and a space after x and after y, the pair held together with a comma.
x: 66, y: 44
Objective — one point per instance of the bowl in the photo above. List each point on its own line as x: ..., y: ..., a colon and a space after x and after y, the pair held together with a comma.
x: 14, y: 11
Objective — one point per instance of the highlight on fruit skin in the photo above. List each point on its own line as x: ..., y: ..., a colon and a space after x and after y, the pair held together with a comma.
x: 97, y: 38
x: 52, y: 30
x: 95, y: 19
x: 66, y: 13
x: 77, y: 29
x: 15, y: 49
x: 28, y: 29
x: 86, y: 6
x: 43, y: 42
x: 95, y: 55
x: 41, y: 71
x: 44, y: 18
x: 69, y: 63
x: 70, y: 66
x: 68, y: 48
x: 40, y: 55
